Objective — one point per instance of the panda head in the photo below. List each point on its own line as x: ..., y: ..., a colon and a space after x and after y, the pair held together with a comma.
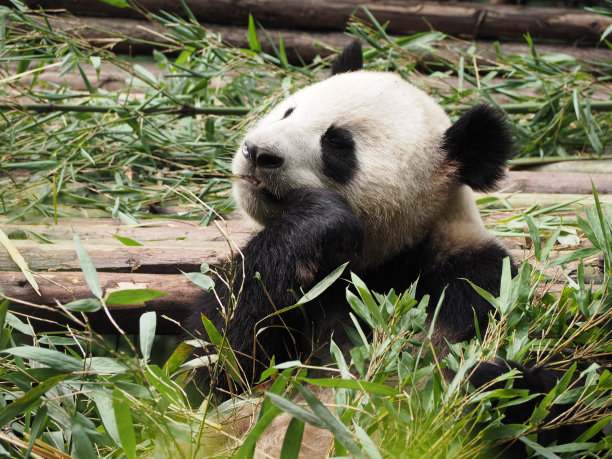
x: 377, y: 140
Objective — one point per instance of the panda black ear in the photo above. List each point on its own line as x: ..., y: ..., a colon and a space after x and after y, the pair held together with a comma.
x: 481, y: 141
x: 349, y: 60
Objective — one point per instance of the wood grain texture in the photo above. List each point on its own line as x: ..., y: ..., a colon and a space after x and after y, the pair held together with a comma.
x: 464, y: 19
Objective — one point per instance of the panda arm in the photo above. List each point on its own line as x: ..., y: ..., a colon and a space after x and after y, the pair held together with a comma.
x: 315, y: 232
x: 447, y: 273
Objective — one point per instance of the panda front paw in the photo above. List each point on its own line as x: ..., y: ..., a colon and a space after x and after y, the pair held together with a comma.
x: 324, y: 219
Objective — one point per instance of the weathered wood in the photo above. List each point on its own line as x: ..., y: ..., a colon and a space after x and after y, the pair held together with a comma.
x: 167, y: 246
x: 65, y: 287
x: 154, y: 231
x: 467, y: 19
x: 556, y: 182
x: 586, y: 166
x: 522, y: 200
x: 177, y: 304
x: 133, y: 36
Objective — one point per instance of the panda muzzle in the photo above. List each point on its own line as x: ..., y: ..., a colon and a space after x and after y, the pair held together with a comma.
x: 252, y: 180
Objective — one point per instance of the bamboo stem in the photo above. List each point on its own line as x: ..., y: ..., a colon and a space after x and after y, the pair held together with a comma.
x: 183, y: 110
x: 190, y: 110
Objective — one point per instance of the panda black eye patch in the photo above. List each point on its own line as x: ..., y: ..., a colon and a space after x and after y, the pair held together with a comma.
x: 338, y: 154
x: 288, y: 112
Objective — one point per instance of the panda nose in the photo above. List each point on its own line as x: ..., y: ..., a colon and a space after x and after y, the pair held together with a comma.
x: 260, y: 157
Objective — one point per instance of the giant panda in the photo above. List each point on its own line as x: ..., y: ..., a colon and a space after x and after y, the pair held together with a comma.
x: 365, y: 168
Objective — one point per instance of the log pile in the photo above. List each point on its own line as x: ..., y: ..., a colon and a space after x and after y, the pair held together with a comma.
x: 311, y: 27
x: 171, y: 246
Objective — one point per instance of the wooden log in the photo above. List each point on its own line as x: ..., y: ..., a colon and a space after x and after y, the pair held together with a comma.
x: 138, y: 36
x: 177, y: 304
x: 181, y: 295
x: 154, y: 232
x: 462, y: 19
x: 524, y: 200
x: 168, y: 247
x: 556, y: 182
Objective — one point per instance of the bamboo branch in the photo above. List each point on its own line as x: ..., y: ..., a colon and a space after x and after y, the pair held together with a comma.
x: 190, y: 110
x: 182, y: 110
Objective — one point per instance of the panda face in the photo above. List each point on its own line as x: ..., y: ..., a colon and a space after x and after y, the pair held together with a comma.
x: 372, y: 137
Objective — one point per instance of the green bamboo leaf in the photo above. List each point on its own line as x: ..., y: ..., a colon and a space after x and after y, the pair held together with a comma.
x: 18, y: 406
x: 541, y: 450
x: 367, y: 444
x: 177, y: 358
x: 202, y: 280
x: 4, y: 304
x: 133, y: 296
x: 37, y: 427
x: 127, y: 241
x: 223, y: 349
x: 534, y: 233
x: 43, y: 165
x: 574, y: 255
x: 117, y: 3
x: 247, y: 448
x: 365, y: 386
x: 104, y: 404
x: 292, y: 440
x: 85, y: 305
x: 50, y: 357
x: 19, y: 260
x: 331, y: 422
x: 295, y: 410
x: 87, y: 266
x: 104, y: 365
x: 281, y: 51
x: 550, y: 243
x: 125, y: 425
x: 148, y: 323
x: 38, y: 237
x: 368, y: 300
x: 252, y: 35
x: 82, y: 446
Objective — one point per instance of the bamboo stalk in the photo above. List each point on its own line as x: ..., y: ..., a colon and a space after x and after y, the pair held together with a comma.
x: 190, y: 110
x: 182, y: 110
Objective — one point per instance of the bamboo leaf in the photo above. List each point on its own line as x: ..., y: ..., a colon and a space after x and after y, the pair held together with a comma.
x: 252, y: 36
x: 127, y: 241
x: 365, y: 386
x: 50, y: 357
x: 87, y: 266
x: 82, y: 446
x: 125, y: 425
x: 19, y: 260
x: 37, y: 427
x: 331, y: 422
x: 19, y: 405
x: 116, y: 3
x: 85, y: 305
x: 148, y: 323
x: 202, y: 280
x: 133, y: 296
x: 292, y: 440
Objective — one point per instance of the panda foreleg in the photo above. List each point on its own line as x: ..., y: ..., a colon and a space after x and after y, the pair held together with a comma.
x: 314, y: 232
x: 462, y: 303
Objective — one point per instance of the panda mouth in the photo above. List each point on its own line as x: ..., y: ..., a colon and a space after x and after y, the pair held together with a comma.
x: 253, y: 181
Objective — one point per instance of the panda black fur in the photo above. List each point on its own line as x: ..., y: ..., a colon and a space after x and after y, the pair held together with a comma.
x: 366, y: 168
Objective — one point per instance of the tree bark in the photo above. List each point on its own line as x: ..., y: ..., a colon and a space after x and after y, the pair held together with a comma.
x: 473, y: 20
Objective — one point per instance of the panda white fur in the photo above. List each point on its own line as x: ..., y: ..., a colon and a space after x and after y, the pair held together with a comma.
x: 363, y: 167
